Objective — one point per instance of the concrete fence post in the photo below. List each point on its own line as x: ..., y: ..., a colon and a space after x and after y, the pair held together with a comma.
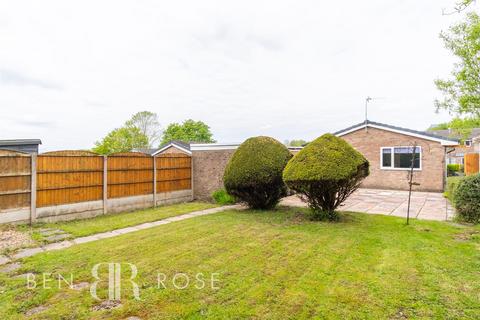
x: 154, y: 181
x: 105, y: 183
x: 33, y: 188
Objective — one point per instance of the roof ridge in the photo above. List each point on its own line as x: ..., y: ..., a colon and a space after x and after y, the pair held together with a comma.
x: 387, y: 126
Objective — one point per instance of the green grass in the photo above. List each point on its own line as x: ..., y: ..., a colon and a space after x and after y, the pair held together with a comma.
x: 85, y: 227
x: 272, y: 265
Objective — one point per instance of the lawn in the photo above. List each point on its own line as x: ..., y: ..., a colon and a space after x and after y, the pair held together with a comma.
x: 85, y: 227
x: 271, y: 265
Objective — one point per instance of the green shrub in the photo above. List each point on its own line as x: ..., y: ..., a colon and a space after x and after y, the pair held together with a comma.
x: 254, y: 173
x: 222, y: 197
x: 325, y: 173
x: 453, y: 169
x: 452, y: 183
x: 467, y: 199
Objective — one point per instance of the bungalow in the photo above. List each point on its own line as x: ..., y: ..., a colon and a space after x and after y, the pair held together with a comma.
x: 388, y: 149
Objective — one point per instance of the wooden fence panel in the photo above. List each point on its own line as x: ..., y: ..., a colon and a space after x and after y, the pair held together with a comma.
x: 15, y: 175
x: 64, y: 178
x: 174, y: 172
x: 471, y: 163
x: 129, y: 174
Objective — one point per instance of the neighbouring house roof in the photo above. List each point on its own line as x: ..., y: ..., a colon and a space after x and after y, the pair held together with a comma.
x: 20, y: 142
x: 203, y: 147
x: 446, y: 141
x: 223, y: 146
x: 451, y: 133
x: 213, y: 146
x: 145, y: 150
x: 185, y: 147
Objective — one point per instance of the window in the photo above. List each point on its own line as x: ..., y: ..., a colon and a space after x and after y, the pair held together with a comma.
x: 386, y: 157
x: 468, y: 143
x: 400, y: 158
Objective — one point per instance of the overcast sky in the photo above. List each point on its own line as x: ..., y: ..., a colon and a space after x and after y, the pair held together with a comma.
x: 72, y: 71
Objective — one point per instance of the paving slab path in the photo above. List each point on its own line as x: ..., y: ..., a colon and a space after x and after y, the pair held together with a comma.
x: 423, y: 205
x: 28, y: 252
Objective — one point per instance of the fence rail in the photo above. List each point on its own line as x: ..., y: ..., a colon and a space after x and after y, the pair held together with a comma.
x: 70, y: 177
x: 64, y: 178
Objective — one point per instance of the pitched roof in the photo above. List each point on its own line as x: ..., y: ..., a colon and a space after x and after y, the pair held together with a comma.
x: 185, y: 147
x: 446, y: 141
x: 20, y: 142
x: 452, y: 133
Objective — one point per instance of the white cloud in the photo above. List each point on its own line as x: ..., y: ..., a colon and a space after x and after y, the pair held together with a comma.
x: 290, y: 69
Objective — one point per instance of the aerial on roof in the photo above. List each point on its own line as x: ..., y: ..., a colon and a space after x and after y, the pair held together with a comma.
x: 446, y: 141
x: 19, y: 142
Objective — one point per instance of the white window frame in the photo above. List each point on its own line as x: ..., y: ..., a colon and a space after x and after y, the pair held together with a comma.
x: 392, y: 150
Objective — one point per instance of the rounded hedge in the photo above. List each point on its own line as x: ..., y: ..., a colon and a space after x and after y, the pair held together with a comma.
x: 325, y: 173
x: 254, y: 173
x: 466, y: 199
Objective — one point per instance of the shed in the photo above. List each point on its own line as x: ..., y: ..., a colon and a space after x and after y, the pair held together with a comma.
x: 22, y: 145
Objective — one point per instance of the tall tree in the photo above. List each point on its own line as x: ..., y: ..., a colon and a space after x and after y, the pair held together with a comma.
x: 147, y: 123
x: 188, y: 131
x: 123, y: 139
x: 461, y: 93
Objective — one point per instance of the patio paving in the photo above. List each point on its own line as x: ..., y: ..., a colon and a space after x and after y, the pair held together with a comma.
x: 423, y: 205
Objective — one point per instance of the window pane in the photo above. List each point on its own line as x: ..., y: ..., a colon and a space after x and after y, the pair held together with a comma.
x: 386, y: 157
x: 402, y: 157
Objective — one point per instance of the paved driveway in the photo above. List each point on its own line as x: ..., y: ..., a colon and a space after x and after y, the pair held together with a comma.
x: 424, y: 205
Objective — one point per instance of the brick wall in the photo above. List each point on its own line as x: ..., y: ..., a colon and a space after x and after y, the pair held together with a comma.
x: 208, y: 169
x: 431, y: 177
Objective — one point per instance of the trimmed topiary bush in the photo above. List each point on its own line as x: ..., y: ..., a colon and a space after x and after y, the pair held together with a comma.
x: 222, y: 197
x: 325, y: 173
x: 466, y: 199
x: 254, y: 173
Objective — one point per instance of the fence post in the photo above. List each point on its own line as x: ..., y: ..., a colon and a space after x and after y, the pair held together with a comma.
x: 154, y: 181
x: 105, y: 184
x: 33, y: 188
